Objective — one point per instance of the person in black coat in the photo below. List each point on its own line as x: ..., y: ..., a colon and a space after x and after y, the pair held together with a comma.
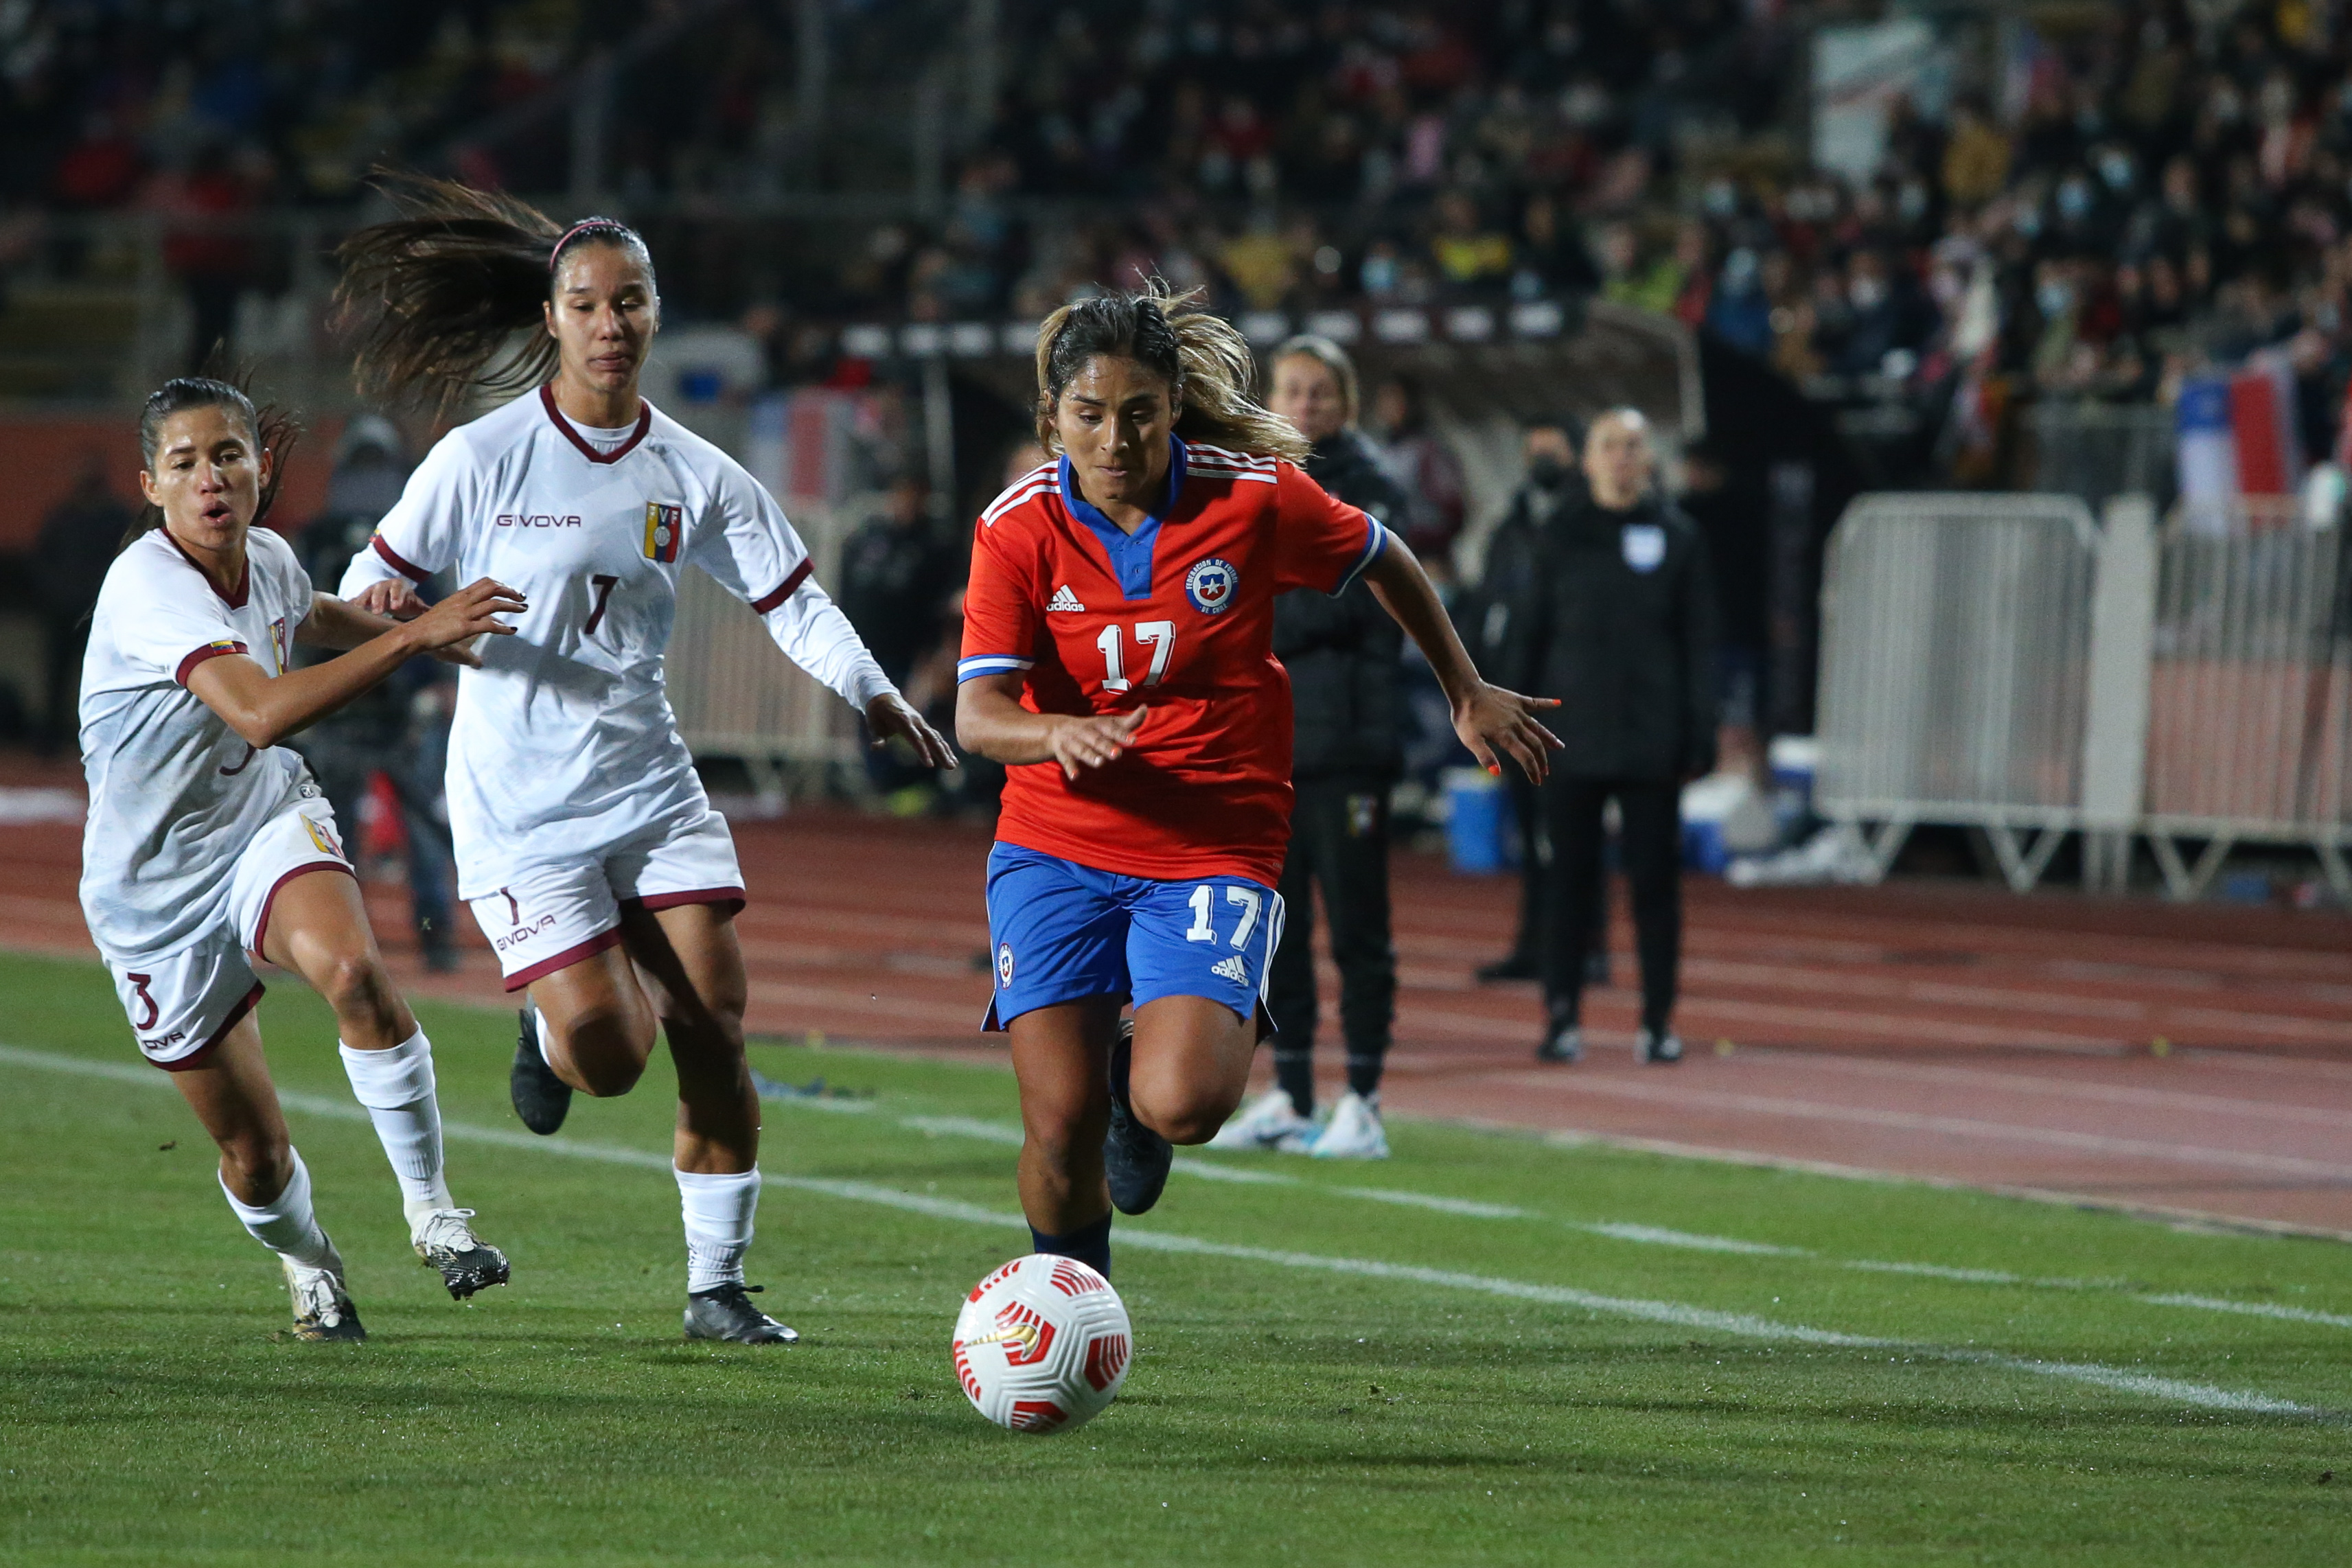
x: 1344, y: 656
x: 1554, y: 481
x: 1614, y: 614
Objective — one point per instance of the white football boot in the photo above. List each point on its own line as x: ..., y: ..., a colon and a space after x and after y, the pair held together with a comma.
x: 445, y: 1241
x: 322, y: 1308
x: 1266, y: 1122
x: 1354, y: 1131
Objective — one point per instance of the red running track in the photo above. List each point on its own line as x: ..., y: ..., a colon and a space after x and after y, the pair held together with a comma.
x: 2192, y: 1060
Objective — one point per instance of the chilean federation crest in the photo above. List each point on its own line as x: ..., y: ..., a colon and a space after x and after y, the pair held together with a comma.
x: 1210, y: 584
x: 665, y: 526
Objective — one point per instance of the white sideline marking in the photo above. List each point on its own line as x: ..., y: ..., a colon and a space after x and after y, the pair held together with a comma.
x: 2251, y: 1309
x: 1677, y: 1313
x: 965, y: 1127
x: 1658, y: 1236
x: 1470, y: 1207
x: 1618, y: 1230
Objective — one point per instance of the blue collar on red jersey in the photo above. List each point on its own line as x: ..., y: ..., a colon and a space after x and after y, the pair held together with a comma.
x: 1130, y: 554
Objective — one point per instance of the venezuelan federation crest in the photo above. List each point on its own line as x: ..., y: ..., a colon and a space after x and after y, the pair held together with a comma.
x: 665, y: 526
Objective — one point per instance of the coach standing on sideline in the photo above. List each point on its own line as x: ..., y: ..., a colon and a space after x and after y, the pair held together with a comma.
x: 1553, y: 483
x: 1617, y: 619
x: 1343, y: 654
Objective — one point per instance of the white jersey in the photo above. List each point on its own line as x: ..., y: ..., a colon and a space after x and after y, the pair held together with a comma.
x: 175, y: 795
x: 563, y: 743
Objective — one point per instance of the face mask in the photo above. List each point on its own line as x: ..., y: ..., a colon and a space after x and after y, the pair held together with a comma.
x: 1865, y: 292
x: 1547, y: 473
x: 2074, y: 200
x: 2054, y: 297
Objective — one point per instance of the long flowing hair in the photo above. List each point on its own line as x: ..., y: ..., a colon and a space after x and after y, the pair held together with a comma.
x: 448, y: 297
x: 1206, y: 361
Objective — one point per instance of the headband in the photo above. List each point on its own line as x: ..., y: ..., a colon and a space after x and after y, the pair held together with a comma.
x: 573, y: 232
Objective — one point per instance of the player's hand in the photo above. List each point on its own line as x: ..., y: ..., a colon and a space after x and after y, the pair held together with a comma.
x: 395, y: 598
x: 445, y: 629
x: 891, y: 714
x: 1090, y: 742
x: 1491, y: 720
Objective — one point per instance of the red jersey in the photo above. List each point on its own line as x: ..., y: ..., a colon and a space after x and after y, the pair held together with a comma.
x: 1177, y: 617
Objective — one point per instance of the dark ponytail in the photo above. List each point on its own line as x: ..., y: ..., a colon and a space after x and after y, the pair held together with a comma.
x: 1206, y: 363
x: 274, y: 430
x: 432, y: 301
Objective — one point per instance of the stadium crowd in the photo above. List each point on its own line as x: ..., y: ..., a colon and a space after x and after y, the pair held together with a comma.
x: 2156, y: 187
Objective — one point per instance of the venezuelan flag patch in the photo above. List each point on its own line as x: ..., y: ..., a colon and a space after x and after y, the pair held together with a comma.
x: 664, y: 525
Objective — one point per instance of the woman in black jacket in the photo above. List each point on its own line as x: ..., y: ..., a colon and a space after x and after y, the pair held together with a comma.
x: 1614, y: 614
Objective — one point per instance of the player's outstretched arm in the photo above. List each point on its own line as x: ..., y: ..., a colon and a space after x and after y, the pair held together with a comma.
x: 991, y: 721
x: 1487, y: 718
x: 264, y: 709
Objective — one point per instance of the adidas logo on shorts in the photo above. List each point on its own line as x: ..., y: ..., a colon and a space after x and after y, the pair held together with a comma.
x: 1063, y: 599
x: 1232, y: 968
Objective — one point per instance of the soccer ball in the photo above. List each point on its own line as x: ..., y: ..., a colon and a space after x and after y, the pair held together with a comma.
x: 1042, y: 1344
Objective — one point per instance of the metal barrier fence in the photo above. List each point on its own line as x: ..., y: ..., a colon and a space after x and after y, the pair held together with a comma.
x: 1954, y: 666
x: 1999, y: 662
x: 2250, y: 694
x: 736, y: 694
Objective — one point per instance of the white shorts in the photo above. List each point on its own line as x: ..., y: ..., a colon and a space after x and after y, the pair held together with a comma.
x: 184, y: 1003
x: 552, y: 916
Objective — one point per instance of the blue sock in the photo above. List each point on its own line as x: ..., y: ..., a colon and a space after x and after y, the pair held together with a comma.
x: 1089, y: 1244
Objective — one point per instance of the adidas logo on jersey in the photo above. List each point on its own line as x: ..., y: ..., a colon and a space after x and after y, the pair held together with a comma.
x: 1232, y: 968
x: 1063, y: 599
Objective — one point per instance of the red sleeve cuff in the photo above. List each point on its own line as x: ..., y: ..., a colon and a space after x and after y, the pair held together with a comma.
x: 210, y: 650
x: 767, y: 602
x: 415, y: 574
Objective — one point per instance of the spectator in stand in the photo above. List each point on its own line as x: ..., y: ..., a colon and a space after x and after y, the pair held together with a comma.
x: 1555, y: 482
x: 1467, y: 253
x: 1424, y: 469
x: 401, y: 729
x: 78, y: 541
x: 1616, y: 615
x: 204, y: 247
x: 1344, y: 656
x: 1552, y: 258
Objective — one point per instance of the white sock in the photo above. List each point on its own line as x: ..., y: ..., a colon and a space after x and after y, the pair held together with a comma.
x: 285, y: 1224
x: 717, y: 1210
x: 396, y: 1086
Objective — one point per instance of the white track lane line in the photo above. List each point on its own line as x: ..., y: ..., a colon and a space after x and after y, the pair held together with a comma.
x: 1679, y: 1314
x: 1919, y: 1121
x: 2047, y: 1086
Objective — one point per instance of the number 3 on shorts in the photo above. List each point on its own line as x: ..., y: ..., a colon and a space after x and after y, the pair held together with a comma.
x: 1250, y: 900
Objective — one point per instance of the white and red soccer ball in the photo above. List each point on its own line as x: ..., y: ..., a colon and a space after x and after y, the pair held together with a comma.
x: 1042, y: 1344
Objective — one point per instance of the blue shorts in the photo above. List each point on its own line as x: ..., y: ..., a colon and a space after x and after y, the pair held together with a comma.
x: 1061, y: 931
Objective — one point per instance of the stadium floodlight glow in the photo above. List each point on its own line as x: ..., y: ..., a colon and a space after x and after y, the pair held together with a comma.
x: 1264, y: 326
x: 1340, y: 326
x: 1470, y: 324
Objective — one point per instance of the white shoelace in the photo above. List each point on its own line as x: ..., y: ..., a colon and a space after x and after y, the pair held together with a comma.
x: 316, y: 1295
x: 445, y: 1229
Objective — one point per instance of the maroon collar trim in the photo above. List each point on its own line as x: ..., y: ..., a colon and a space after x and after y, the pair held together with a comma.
x: 645, y: 423
x: 245, y: 580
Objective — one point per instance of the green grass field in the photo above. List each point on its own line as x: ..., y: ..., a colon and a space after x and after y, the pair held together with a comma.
x: 1489, y: 1349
